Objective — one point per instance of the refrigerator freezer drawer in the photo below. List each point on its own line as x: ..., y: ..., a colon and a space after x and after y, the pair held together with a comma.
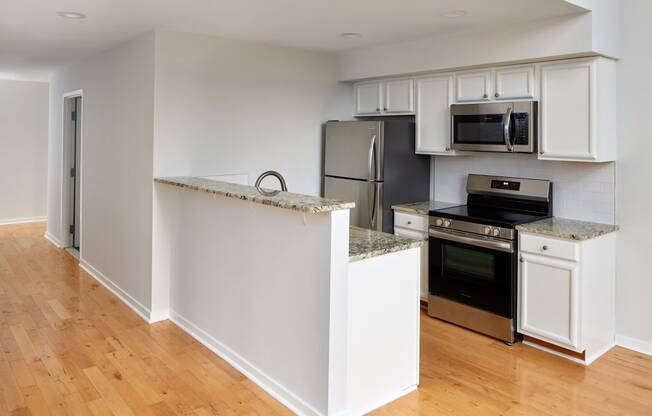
x: 368, y: 197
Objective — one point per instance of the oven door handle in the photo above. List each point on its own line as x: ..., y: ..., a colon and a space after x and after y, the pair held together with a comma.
x: 505, y: 246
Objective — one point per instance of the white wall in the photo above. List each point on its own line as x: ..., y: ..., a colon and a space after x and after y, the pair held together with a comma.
x: 634, y: 173
x: 23, y: 150
x: 116, y: 175
x: 263, y: 287
x: 583, y: 191
x: 560, y: 36
x: 234, y: 107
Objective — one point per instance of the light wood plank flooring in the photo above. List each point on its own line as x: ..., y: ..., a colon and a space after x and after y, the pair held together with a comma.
x: 68, y: 346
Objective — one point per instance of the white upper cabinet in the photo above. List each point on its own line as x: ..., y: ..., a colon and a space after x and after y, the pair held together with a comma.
x: 514, y: 82
x: 578, y: 110
x: 473, y: 86
x: 387, y: 97
x: 368, y: 98
x: 399, y: 96
x: 434, y: 97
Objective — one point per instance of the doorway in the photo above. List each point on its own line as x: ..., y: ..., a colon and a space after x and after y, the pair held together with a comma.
x: 72, y: 144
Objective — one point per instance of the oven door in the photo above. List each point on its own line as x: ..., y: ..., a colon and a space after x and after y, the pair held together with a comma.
x: 474, y: 270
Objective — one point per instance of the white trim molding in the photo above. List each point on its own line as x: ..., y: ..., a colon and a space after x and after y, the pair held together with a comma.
x: 24, y: 220
x: 271, y: 386
x: 634, y: 344
x: 140, y: 309
x: 52, y: 239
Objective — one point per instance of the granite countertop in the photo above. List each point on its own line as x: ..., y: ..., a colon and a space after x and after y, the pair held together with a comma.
x: 288, y: 200
x: 364, y: 244
x: 567, y: 229
x: 423, y: 208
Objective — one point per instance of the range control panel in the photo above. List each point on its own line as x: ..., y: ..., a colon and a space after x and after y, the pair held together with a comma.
x: 507, y: 185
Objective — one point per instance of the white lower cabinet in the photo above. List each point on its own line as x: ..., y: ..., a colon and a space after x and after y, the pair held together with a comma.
x: 415, y: 226
x: 566, y: 292
x: 550, y: 299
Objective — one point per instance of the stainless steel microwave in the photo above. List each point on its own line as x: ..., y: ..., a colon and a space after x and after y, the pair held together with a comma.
x: 495, y: 127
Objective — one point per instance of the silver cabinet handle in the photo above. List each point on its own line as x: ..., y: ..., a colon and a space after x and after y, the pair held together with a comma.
x: 507, y: 120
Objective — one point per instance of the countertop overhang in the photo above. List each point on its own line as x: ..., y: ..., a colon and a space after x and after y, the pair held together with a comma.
x: 365, y: 244
x: 297, y: 202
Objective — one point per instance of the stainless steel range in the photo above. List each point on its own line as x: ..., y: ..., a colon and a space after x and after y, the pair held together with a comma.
x: 472, y: 252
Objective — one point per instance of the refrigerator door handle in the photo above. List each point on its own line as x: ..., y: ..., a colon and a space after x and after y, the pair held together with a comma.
x: 372, y: 159
x: 373, y: 205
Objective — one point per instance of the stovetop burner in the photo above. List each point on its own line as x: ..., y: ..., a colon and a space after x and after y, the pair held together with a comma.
x: 488, y: 216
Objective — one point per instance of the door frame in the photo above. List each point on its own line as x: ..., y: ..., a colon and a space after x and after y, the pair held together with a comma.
x: 66, y: 163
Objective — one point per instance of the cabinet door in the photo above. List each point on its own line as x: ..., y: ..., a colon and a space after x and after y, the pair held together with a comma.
x: 567, y: 111
x: 418, y: 235
x: 399, y: 96
x: 434, y: 97
x: 549, y: 301
x: 473, y: 86
x: 368, y: 98
x: 514, y: 82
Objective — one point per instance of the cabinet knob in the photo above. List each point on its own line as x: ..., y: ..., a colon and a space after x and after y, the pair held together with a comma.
x: 485, y: 96
x: 378, y: 110
x: 544, y: 248
x: 448, y: 149
x: 522, y: 260
x: 385, y: 109
x: 497, y: 95
x: 409, y: 222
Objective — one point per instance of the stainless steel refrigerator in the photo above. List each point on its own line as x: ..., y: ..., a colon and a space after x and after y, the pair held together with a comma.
x: 373, y: 163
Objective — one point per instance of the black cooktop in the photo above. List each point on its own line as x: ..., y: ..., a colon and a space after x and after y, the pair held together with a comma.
x: 488, y: 216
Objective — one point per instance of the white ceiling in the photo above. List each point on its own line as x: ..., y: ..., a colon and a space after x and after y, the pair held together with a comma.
x: 34, y: 41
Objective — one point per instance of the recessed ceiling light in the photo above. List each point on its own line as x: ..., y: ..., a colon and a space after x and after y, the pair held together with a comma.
x: 454, y: 14
x: 351, y: 35
x: 72, y: 15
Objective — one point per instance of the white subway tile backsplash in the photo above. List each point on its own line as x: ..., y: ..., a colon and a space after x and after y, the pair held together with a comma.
x: 582, y: 191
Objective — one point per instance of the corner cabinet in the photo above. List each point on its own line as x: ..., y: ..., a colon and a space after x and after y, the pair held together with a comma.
x: 388, y: 97
x: 578, y: 110
x: 566, y: 293
x: 433, y: 99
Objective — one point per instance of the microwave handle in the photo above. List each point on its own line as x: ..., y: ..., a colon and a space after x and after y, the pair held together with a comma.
x: 507, y: 121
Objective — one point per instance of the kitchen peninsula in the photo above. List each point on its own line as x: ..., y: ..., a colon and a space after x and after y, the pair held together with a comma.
x: 266, y: 280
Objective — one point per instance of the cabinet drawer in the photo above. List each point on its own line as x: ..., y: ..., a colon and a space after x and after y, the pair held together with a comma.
x: 411, y: 221
x: 549, y: 247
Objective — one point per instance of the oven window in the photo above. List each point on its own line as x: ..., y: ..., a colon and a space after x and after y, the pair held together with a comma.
x: 478, y: 129
x: 472, y: 264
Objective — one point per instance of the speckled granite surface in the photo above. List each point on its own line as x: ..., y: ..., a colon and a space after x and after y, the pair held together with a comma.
x: 288, y: 200
x: 364, y: 244
x: 567, y: 229
x: 423, y: 208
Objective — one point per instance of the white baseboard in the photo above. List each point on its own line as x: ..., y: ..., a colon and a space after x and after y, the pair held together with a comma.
x: 553, y: 352
x: 126, y: 298
x: 386, y: 400
x: 634, y: 344
x: 159, y: 315
x: 22, y: 220
x: 52, y: 239
x: 271, y: 386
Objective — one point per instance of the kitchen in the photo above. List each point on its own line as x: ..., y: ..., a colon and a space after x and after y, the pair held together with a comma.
x: 438, y: 218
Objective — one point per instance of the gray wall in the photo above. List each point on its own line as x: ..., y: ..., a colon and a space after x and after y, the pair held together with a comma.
x: 23, y: 150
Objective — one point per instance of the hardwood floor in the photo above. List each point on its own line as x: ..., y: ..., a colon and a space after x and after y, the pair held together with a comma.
x: 68, y: 346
